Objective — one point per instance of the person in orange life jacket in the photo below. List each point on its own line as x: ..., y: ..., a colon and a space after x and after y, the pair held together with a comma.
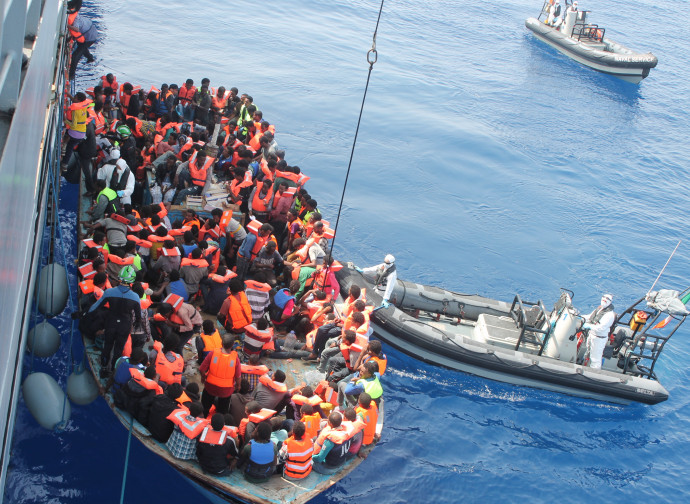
x: 191, y: 219
x: 188, y: 426
x: 271, y: 392
x: 384, y: 276
x: 368, y: 413
x: 194, y: 172
x: 161, y: 407
x: 296, y: 453
x: 235, y: 313
x: 267, y: 264
x: 214, y: 289
x: 170, y: 101
x: 185, y: 97
x: 190, y: 394
x: 333, y: 445
x: 140, y: 333
x: 256, y: 336
x: 208, y: 340
x: 333, y: 352
x: 235, y: 235
x: 210, y: 230
x: 373, y: 352
x: 278, y: 214
x: 303, y: 397
x: 253, y: 370
x: 189, y: 321
x: 168, y: 260
x: 260, y: 455
x: 192, y: 271
x: 137, y: 360
x: 122, y: 303
x: 84, y: 33
x: 136, y: 395
x: 130, y: 104
x: 220, y: 371
x: 216, y: 450
x: 247, y: 252
x: 330, y: 330
x: 238, y: 402
x: 260, y: 199
x: 169, y: 362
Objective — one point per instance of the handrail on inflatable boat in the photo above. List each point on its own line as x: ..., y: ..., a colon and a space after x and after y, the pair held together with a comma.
x: 524, y: 324
x: 642, y: 345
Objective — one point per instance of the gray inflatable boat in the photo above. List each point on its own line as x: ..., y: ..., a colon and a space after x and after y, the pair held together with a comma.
x: 522, y: 342
x: 586, y: 43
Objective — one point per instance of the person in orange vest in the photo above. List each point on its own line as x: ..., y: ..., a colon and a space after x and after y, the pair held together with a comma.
x: 297, y: 451
x: 169, y: 363
x: 267, y: 263
x: 188, y: 426
x: 271, y: 392
x: 250, y: 248
x: 76, y: 119
x: 208, y: 341
x: 129, y: 102
x: 216, y: 450
x: 84, y: 33
x: 220, y: 371
x: 185, y: 98
x: 214, y: 289
x: 368, y: 413
x: 336, y: 352
x: 185, y: 319
x: 235, y: 314
x: 332, y: 446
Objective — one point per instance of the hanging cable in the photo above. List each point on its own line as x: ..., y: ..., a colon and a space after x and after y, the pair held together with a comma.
x: 124, y: 474
x: 372, y: 57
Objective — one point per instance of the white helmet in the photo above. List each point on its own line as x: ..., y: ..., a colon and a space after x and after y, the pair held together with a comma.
x: 389, y: 259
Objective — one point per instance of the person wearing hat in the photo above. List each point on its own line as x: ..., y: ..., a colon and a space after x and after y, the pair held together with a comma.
x: 555, y: 18
x: 118, y: 177
x: 598, y: 324
x: 384, y: 277
x: 122, y: 303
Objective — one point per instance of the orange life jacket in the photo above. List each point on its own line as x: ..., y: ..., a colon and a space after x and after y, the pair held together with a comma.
x: 147, y: 383
x: 186, y: 94
x: 220, y: 103
x: 255, y: 418
x: 221, y: 372
x: 298, y: 464
x: 299, y: 399
x: 189, y: 425
x: 313, y: 424
x: 76, y: 35
x: 257, y: 338
x: 211, y: 341
x: 260, y: 204
x: 239, y: 311
x: 229, y: 275
x: 170, y: 372
x: 369, y: 416
x: 273, y: 385
x: 105, y: 84
x: 197, y: 263
x: 199, y: 175
x: 213, y: 437
x: 254, y: 370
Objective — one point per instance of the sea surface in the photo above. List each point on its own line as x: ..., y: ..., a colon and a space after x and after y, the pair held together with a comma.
x: 486, y: 162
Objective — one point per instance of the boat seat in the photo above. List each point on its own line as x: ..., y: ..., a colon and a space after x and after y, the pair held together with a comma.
x: 502, y: 331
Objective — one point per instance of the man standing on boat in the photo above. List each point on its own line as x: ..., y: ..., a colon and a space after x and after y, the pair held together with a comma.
x: 599, y: 323
x: 385, y: 277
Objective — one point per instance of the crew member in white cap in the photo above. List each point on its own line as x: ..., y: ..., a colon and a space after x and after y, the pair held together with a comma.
x: 599, y: 323
x: 124, y: 178
x: 384, y: 277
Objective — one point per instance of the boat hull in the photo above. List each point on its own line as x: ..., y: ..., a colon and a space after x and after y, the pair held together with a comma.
x: 426, y: 341
x: 624, y: 64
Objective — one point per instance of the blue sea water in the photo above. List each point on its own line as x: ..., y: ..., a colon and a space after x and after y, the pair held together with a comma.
x: 486, y: 162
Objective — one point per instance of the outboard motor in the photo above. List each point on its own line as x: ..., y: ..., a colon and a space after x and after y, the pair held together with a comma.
x: 562, y: 343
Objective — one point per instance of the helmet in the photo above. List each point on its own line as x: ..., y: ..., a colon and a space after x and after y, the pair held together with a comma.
x: 389, y: 259
x: 128, y: 275
x: 124, y: 131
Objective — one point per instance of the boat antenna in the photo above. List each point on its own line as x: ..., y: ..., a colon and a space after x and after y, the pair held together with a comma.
x: 662, y: 269
x: 372, y: 56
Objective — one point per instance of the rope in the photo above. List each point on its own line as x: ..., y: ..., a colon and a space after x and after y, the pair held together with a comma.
x: 372, y: 57
x: 129, y: 444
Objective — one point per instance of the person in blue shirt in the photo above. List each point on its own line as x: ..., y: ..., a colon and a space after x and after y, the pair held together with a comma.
x: 122, y: 374
x: 85, y: 34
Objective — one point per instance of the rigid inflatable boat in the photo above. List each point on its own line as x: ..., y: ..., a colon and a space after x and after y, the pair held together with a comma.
x: 587, y: 44
x: 522, y: 342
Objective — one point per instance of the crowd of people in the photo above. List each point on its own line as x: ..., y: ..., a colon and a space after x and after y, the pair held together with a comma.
x: 192, y: 308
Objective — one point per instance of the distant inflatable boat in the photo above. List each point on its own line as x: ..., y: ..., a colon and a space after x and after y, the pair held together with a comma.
x: 524, y: 344
x: 587, y: 44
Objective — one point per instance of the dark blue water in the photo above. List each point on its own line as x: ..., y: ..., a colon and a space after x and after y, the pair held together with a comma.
x: 486, y: 162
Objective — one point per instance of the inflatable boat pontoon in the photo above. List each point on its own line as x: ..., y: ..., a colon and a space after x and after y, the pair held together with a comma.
x: 524, y: 343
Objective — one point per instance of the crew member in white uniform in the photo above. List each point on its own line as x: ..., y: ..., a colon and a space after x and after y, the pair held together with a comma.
x: 117, y: 165
x: 599, y: 324
x: 384, y: 277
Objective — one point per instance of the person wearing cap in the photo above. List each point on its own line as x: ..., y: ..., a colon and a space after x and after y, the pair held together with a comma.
x: 122, y: 303
x: 384, y: 277
x: 118, y: 177
x: 555, y: 18
x: 598, y: 324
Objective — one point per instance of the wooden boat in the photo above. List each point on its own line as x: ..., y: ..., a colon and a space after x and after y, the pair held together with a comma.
x: 522, y: 342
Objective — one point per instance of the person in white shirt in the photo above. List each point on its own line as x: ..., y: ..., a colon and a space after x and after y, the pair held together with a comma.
x: 385, y: 277
x: 598, y: 324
